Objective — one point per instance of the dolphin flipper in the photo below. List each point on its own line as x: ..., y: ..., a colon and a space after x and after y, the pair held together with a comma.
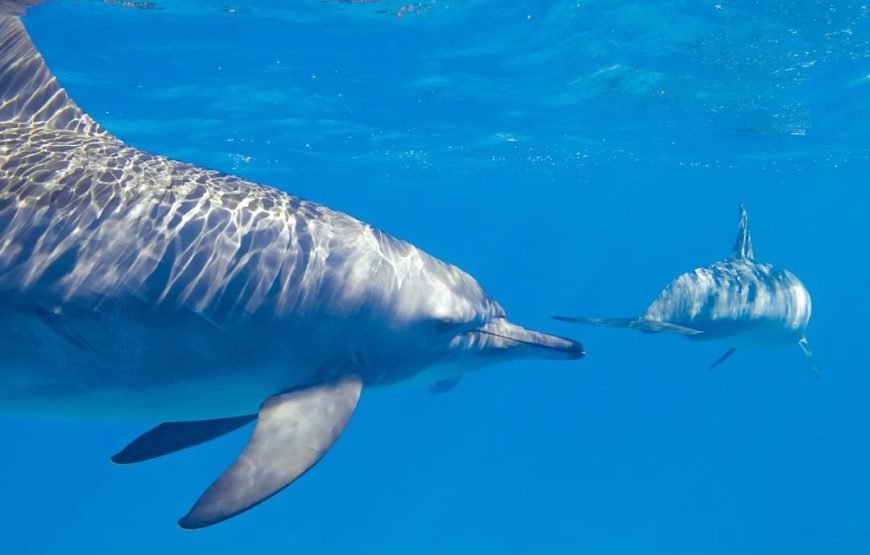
x: 723, y: 358
x: 445, y: 385
x: 805, y: 347
x: 170, y: 437
x: 294, y: 430
x: 643, y: 324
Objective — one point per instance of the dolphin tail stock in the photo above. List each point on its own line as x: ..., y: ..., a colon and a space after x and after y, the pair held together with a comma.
x: 294, y: 431
x: 645, y: 325
x: 805, y: 347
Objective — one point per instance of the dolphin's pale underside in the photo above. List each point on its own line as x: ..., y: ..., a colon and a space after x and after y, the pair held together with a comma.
x: 132, y: 285
x: 738, y: 300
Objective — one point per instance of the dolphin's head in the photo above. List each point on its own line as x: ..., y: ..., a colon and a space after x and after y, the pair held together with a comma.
x: 462, y: 328
x: 425, y: 316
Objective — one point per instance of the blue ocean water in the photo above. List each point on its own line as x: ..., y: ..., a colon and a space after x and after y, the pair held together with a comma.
x: 573, y: 157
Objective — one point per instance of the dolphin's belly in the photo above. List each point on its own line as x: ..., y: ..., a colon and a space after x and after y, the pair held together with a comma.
x: 167, y: 367
x: 751, y: 304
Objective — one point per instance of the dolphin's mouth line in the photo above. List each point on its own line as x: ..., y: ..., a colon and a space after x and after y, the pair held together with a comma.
x: 500, y: 336
x: 529, y: 343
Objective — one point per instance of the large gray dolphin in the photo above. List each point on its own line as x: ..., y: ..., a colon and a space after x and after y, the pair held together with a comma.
x: 739, y: 300
x: 132, y: 285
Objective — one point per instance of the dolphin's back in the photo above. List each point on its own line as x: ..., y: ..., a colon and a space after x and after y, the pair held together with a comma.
x: 85, y: 217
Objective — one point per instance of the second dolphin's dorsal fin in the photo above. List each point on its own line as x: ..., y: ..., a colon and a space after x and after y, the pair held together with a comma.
x: 743, y: 244
x: 29, y: 92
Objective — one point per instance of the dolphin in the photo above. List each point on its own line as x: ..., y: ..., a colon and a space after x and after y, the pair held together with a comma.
x: 135, y: 286
x: 739, y: 300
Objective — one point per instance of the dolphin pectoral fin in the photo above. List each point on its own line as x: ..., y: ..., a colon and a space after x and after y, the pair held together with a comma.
x: 643, y: 324
x: 722, y: 358
x: 445, y: 385
x: 293, y: 431
x: 805, y: 347
x: 170, y: 437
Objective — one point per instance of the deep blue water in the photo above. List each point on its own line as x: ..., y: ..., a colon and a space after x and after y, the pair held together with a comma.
x: 573, y: 157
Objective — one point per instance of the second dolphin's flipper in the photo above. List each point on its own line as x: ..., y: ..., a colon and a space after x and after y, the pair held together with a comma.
x: 643, y: 324
x: 445, y: 385
x: 723, y: 358
x: 805, y: 347
x: 294, y: 430
x: 170, y: 437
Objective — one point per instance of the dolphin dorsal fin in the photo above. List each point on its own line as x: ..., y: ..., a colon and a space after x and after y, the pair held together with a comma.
x: 29, y: 93
x: 743, y: 244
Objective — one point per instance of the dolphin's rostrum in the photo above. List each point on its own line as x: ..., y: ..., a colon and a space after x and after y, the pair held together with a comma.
x: 738, y: 300
x: 133, y: 285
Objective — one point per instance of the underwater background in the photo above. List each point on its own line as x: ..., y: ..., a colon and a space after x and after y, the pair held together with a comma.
x: 573, y: 157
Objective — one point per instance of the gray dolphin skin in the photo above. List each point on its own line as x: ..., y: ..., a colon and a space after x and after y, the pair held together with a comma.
x: 739, y: 300
x: 134, y: 286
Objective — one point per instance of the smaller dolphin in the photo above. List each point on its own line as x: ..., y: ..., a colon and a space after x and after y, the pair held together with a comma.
x: 738, y: 300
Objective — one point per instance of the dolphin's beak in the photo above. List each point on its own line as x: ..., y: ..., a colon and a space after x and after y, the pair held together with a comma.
x: 499, y: 335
